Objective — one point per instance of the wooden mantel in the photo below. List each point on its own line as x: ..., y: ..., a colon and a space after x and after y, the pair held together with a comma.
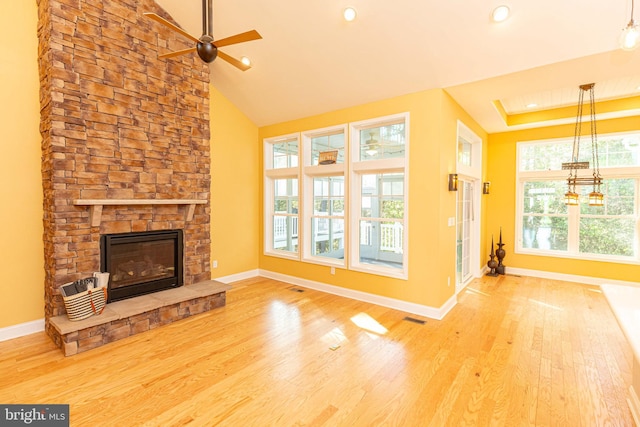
x: 97, y: 204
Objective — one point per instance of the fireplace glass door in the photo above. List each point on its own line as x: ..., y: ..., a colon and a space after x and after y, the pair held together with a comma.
x: 141, y: 263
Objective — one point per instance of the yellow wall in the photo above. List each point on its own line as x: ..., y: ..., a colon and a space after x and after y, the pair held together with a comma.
x: 433, y: 124
x: 235, y: 199
x: 21, y: 249
x: 501, y: 203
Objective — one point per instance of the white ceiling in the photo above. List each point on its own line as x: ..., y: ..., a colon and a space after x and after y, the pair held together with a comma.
x: 311, y: 61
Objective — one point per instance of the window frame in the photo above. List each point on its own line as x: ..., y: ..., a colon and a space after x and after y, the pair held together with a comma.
x: 378, y: 166
x: 310, y: 172
x: 270, y: 175
x: 349, y: 169
x: 573, y: 212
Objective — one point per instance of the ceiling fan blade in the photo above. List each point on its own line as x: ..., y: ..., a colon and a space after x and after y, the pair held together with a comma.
x: 238, y: 38
x: 177, y: 53
x: 168, y: 24
x: 233, y: 61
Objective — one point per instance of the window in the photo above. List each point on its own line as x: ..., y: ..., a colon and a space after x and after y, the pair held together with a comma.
x: 349, y: 192
x: 379, y: 196
x: 325, y: 186
x: 282, y: 196
x: 327, y: 219
x: 547, y: 226
x: 285, y: 215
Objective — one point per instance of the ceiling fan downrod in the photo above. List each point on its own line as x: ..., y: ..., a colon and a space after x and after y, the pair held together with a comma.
x: 207, y: 51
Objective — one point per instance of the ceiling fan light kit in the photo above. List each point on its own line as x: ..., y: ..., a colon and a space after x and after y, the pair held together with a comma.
x: 206, y: 47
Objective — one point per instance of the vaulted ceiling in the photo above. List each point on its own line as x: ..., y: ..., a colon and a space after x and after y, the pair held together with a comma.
x: 311, y: 61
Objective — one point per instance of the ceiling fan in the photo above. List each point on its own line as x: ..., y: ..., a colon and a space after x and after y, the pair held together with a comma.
x: 371, y: 145
x: 206, y: 47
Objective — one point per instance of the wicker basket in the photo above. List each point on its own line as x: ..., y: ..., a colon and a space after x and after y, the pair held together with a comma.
x: 85, y: 304
x: 328, y: 157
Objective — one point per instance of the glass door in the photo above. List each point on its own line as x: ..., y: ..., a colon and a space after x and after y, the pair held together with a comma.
x: 464, y: 227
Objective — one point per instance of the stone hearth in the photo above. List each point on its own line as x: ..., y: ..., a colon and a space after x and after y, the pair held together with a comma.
x: 129, y: 317
x: 118, y: 123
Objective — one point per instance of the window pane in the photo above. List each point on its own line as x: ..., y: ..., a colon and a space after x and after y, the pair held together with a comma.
x: 285, y: 233
x: 382, y: 195
x: 545, y: 232
x: 608, y: 236
x: 327, y: 237
x: 285, y: 218
x: 381, y: 243
x: 464, y: 152
x: 619, y: 150
x: 545, y: 156
x: 286, y: 196
x: 327, y: 143
x: 383, y: 142
x: 328, y: 195
x: 619, y: 198
x: 285, y: 154
x: 545, y: 197
x: 613, y: 151
x: 327, y: 232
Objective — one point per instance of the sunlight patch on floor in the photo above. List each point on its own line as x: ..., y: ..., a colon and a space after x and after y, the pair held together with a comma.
x: 368, y: 323
x: 476, y: 291
x: 334, y: 338
x: 544, y: 304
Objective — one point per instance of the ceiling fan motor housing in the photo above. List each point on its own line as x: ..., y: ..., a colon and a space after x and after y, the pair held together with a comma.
x: 207, y: 51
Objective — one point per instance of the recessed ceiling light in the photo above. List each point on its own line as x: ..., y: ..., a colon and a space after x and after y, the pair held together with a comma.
x: 246, y: 61
x: 532, y: 105
x: 349, y: 14
x: 500, y: 13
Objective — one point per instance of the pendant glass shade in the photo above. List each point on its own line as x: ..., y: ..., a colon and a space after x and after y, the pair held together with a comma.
x: 571, y: 198
x: 630, y: 37
x: 596, y: 198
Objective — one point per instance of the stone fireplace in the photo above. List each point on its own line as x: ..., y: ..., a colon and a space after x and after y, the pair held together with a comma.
x: 125, y: 140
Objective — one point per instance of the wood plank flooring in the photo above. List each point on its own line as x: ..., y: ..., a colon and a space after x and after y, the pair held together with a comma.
x: 515, y: 351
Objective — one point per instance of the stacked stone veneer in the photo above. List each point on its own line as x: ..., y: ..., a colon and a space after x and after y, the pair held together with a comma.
x: 118, y: 123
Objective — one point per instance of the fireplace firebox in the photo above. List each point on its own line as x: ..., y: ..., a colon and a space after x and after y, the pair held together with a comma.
x: 141, y: 263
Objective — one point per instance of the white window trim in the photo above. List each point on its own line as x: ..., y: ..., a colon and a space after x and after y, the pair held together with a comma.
x: 270, y: 175
x: 309, y: 173
x: 475, y: 170
x: 305, y: 172
x: 573, y: 211
x: 474, y: 175
x: 373, y: 167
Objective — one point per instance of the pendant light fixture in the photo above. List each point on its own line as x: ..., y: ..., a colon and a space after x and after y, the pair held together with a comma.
x: 630, y: 37
x: 596, y: 198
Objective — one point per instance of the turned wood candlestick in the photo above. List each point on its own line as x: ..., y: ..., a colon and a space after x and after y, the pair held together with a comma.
x: 492, y: 263
x: 500, y: 254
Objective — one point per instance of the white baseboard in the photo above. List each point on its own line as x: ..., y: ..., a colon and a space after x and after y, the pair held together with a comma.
x: 438, y: 313
x: 21, y: 330
x: 567, y: 277
x: 238, y: 276
x: 396, y: 304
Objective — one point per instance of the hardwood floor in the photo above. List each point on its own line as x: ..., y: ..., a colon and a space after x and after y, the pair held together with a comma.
x: 515, y: 351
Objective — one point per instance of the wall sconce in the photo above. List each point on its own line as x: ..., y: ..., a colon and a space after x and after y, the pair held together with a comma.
x: 453, y: 182
x: 485, y: 187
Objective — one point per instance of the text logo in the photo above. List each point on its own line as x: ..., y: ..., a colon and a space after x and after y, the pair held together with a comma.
x: 34, y: 415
